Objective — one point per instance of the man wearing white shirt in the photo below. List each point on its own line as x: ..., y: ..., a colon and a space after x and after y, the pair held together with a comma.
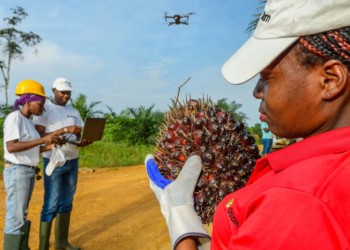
x: 60, y: 187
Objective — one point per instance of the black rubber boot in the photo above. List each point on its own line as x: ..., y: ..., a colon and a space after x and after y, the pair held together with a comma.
x: 12, y: 241
x: 61, y: 232
x: 26, y: 231
x: 44, y: 235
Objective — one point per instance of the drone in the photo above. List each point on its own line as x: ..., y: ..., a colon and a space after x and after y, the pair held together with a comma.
x: 177, y: 18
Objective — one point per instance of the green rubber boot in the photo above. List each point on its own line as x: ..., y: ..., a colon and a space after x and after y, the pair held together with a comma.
x: 25, y: 239
x: 12, y: 241
x: 61, y: 232
x: 44, y: 235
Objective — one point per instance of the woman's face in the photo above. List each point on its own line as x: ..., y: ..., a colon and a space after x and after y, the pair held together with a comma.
x: 291, y: 101
x: 37, y: 107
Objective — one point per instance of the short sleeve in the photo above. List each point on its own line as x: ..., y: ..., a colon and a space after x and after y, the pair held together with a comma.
x: 263, y: 125
x: 41, y: 119
x: 288, y: 219
x: 12, y: 127
x: 80, y: 122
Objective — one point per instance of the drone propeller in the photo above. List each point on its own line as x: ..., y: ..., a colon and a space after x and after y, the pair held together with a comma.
x: 191, y: 13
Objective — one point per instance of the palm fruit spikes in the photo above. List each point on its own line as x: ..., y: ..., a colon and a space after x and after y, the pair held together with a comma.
x: 226, y: 148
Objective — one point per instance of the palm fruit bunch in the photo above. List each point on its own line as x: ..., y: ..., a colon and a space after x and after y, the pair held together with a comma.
x: 226, y: 148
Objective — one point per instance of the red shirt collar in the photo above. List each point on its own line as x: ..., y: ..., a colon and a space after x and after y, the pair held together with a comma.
x: 333, y: 141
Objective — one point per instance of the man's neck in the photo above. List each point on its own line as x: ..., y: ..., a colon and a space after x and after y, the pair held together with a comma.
x: 58, y: 104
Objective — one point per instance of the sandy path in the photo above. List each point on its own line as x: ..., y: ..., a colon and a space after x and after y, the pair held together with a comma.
x: 113, y: 209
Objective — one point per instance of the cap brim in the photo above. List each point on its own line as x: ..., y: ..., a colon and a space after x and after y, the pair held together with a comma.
x: 253, y: 57
x: 63, y: 88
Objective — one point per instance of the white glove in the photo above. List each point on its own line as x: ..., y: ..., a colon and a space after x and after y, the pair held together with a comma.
x: 57, y: 159
x: 176, y: 199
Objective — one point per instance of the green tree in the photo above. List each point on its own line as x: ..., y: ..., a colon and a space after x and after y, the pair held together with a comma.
x: 85, y: 109
x: 256, y: 17
x: 233, y: 107
x: 12, y: 41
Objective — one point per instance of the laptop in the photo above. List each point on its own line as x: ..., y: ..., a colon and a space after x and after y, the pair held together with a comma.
x: 92, y: 131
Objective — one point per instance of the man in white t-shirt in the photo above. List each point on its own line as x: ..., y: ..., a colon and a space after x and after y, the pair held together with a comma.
x: 60, y: 187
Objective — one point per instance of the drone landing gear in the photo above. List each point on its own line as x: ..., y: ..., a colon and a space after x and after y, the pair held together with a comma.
x: 184, y: 23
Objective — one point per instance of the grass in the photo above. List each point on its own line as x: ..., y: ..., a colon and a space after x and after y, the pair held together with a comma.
x: 104, y: 154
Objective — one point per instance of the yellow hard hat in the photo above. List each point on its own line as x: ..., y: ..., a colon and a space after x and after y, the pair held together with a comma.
x: 30, y: 87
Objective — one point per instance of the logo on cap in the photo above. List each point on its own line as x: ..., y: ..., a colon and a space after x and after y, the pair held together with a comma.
x: 265, y: 17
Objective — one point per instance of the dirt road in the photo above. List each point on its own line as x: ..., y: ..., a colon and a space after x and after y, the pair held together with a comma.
x: 113, y: 209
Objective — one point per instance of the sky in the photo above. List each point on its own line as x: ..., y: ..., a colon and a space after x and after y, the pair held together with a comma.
x: 124, y: 54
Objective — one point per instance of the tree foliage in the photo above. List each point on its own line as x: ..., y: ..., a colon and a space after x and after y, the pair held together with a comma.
x: 256, y: 17
x: 12, y: 41
x: 233, y: 107
x: 85, y: 109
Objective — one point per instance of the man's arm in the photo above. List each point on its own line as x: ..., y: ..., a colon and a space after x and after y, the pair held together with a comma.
x: 70, y: 129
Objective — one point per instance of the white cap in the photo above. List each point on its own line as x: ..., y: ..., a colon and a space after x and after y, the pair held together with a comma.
x: 280, y: 25
x: 62, y: 84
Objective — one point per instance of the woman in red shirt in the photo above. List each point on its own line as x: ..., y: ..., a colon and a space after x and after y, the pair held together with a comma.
x: 298, y: 197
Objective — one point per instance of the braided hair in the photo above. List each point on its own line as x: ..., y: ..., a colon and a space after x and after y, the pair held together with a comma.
x: 321, y: 47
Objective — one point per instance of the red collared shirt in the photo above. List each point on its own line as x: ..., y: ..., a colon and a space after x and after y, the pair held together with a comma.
x: 296, y: 198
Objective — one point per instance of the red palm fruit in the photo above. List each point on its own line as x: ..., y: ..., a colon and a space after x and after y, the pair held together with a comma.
x: 175, y: 170
x: 160, y: 165
x: 236, y: 128
x: 201, y: 200
x: 205, y: 122
x: 232, y: 147
x: 213, y: 120
x: 214, y: 180
x: 208, y: 191
x: 227, y: 176
x: 228, y: 156
x: 252, y: 162
x: 213, y: 140
x: 222, y: 114
x: 215, y: 206
x: 186, y: 122
x: 247, y: 167
x: 229, y: 186
x: 170, y: 136
x: 247, y: 139
x: 220, y: 148
x: 222, y: 120
x: 203, y: 182
x: 198, y: 124
x: 237, y: 179
x: 212, y: 199
x: 203, y: 147
x: 201, y: 114
x: 221, y: 193
x: 158, y: 156
x: 191, y: 147
x: 178, y: 155
x: 208, y: 157
x: 220, y: 166
x: 192, y: 105
x: 173, y: 126
x: 182, y: 130
x: 252, y: 149
x: 170, y: 146
x: 199, y: 136
x: 180, y: 142
x: 240, y: 157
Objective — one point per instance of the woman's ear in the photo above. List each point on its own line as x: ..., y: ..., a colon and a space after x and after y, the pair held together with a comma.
x: 335, y: 77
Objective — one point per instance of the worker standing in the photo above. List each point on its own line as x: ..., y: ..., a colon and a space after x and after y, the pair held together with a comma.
x: 61, y: 186
x: 299, y: 196
x: 266, y: 138
x: 22, y: 147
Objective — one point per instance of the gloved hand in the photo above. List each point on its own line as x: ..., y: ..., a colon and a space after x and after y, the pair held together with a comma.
x: 176, y: 199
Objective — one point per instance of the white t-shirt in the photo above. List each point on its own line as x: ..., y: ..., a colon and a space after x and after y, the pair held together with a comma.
x: 17, y: 126
x: 57, y: 117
